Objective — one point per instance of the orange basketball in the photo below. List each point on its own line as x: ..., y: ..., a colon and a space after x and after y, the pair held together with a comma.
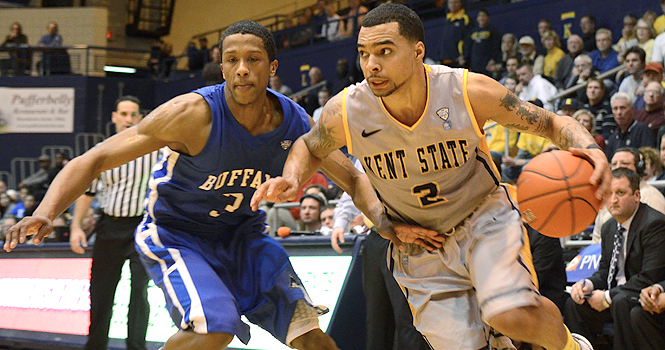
x: 555, y: 196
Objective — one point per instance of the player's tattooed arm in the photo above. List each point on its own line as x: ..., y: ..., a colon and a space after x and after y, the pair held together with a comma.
x: 327, y: 134
x: 531, y: 118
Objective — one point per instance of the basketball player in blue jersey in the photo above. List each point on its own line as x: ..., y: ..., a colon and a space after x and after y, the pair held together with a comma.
x: 417, y: 131
x: 199, y: 240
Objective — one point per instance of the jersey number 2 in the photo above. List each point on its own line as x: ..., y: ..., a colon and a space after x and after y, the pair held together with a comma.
x: 428, y: 194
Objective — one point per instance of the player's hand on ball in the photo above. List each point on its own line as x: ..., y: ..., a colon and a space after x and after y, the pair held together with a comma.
x: 37, y: 226
x: 276, y: 190
x: 428, y: 239
x: 601, y: 170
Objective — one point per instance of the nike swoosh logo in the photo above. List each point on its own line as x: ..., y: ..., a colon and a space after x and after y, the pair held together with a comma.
x: 367, y: 134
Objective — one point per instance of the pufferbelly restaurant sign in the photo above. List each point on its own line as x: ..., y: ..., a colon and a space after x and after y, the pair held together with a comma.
x: 36, y: 110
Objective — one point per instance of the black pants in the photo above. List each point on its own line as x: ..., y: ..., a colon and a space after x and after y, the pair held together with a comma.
x: 584, y: 320
x: 389, y: 320
x: 649, y: 329
x: 114, y: 245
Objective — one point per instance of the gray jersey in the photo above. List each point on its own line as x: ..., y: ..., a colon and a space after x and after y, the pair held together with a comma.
x: 434, y: 173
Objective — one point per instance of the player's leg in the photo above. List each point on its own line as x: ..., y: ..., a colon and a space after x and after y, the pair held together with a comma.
x: 187, y: 339
x: 505, y: 283
x: 199, y: 301
x: 104, y: 277
x: 139, y: 308
x: 292, y: 319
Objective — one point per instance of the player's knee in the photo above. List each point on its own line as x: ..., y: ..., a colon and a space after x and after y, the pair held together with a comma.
x: 190, y: 340
x: 314, y: 340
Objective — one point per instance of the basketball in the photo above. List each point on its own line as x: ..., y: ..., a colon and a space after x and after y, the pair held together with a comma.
x: 555, y: 196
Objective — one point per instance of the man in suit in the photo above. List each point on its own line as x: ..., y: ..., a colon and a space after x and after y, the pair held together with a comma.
x: 631, y: 259
x: 649, y: 319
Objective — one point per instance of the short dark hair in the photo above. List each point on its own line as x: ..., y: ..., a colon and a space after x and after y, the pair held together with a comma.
x: 633, y: 178
x: 484, y: 10
x: 638, y: 159
x: 591, y: 18
x: 129, y: 98
x: 254, y: 28
x: 410, y: 25
x: 639, y: 51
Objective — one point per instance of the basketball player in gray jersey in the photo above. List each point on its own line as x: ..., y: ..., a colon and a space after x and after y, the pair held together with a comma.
x: 417, y: 131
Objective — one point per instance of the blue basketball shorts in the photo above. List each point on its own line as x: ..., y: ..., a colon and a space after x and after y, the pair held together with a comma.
x: 208, y: 284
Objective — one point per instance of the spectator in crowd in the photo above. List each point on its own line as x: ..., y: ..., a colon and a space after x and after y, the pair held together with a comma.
x: 632, y: 159
x: 599, y: 104
x: 511, y: 69
x: 311, y: 101
x: 276, y: 84
x: 304, y: 33
x: 529, y: 55
x: 352, y: 20
x: 634, y: 68
x: 161, y: 62
x: 122, y: 195
x: 534, y: 86
x: 650, y: 17
x: 631, y: 259
x: 18, y: 61
x: 29, y: 204
x: 643, y: 32
x: 648, y: 318
x: 549, y: 266
x: 323, y: 97
x: 628, y: 38
x: 18, y: 210
x: 659, y: 49
x: 319, y: 18
x: 3, y: 187
x: 330, y: 28
x: 495, y: 136
x: 212, y: 71
x: 652, y: 164
x: 604, y: 58
x: 510, y: 82
x: 327, y: 217
x: 582, y: 71
x: 544, y: 25
x: 552, y: 45
x: 588, y: 26
x: 509, y: 49
x: 653, y: 115
x: 454, y: 30
x: 5, y: 204
x: 52, y: 38
x: 659, y: 23
x: 629, y: 132
x: 195, y: 59
x: 39, y: 181
x: 569, y: 106
x: 564, y: 69
x: 482, y: 47
x: 310, y: 211
x: 652, y: 72
x: 588, y: 121
x: 661, y: 147
x: 344, y: 77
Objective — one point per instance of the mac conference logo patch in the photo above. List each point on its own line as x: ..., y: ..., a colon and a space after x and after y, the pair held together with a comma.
x: 444, y: 114
x: 286, y: 144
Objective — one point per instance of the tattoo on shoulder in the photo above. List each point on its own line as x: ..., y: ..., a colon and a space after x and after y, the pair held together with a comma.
x: 320, y: 139
x: 537, y: 119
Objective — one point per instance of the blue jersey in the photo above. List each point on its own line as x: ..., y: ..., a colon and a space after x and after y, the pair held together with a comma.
x: 208, y: 195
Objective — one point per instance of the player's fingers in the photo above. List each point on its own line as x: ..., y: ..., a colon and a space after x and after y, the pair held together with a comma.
x: 43, y: 231
x: 392, y: 236
x: 432, y: 242
x: 11, y: 239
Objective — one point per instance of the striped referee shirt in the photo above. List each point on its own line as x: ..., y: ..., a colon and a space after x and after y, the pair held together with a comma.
x: 122, y: 190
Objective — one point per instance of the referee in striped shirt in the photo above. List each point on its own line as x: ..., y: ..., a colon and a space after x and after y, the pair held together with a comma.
x: 122, y: 192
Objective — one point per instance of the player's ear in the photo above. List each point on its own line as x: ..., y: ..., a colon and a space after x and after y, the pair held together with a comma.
x: 419, y: 49
x: 273, y: 67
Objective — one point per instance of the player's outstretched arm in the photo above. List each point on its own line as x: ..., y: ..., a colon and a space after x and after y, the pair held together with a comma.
x: 491, y: 100
x: 182, y: 123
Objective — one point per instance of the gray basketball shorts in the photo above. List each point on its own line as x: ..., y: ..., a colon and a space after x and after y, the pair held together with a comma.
x: 482, y: 270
